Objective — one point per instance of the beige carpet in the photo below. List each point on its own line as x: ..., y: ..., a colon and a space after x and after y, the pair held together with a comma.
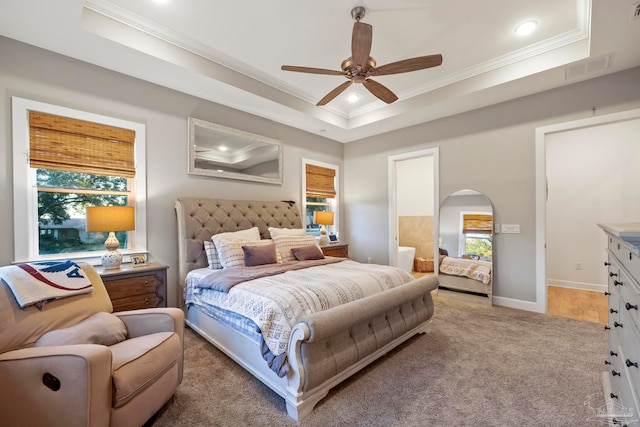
x: 480, y: 366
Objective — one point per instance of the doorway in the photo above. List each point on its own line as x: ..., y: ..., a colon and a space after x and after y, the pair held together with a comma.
x: 413, y: 201
x: 581, y: 180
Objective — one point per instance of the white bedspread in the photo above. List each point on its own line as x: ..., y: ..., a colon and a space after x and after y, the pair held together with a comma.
x: 276, y: 303
x: 477, y: 270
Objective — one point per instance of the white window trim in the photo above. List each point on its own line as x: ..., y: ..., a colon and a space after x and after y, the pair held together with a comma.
x: 25, y: 195
x: 336, y: 205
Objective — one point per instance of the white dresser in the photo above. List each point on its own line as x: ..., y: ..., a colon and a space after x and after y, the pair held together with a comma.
x: 621, y: 381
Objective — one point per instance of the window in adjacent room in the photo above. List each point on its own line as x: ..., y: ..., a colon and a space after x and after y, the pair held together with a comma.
x: 64, y: 161
x: 320, y: 194
x: 477, y: 229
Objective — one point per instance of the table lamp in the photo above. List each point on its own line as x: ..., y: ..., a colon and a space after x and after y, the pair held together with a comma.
x: 323, y: 218
x: 110, y: 219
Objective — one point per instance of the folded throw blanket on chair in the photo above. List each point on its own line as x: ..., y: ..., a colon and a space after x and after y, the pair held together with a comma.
x: 39, y: 282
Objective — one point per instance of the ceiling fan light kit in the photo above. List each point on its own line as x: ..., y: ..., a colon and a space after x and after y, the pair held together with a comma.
x: 360, y: 67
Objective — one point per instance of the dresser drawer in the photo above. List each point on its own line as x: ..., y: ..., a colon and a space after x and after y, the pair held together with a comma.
x: 136, y: 302
x: 337, y: 250
x: 625, y: 254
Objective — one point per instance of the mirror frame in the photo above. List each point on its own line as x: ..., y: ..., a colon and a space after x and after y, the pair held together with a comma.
x: 250, y: 137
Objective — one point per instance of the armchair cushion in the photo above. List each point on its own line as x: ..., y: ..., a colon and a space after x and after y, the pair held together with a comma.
x: 101, y: 328
x: 139, y: 362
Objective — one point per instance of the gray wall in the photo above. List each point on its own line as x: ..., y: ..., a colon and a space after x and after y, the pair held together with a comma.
x: 491, y: 150
x: 32, y: 73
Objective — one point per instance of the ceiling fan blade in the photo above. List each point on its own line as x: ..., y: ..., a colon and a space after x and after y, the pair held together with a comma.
x: 361, y: 43
x: 337, y: 91
x: 380, y: 91
x: 312, y: 70
x: 407, y: 65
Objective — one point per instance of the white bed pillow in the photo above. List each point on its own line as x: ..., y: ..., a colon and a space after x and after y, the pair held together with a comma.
x: 284, y: 244
x: 231, y: 253
x: 276, y: 232
x: 251, y: 234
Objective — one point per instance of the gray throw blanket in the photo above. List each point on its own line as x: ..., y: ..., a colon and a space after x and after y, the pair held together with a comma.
x: 225, y: 279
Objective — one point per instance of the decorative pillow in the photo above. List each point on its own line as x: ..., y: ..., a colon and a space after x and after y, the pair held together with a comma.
x: 284, y: 244
x: 212, y: 255
x: 100, y: 328
x: 260, y: 255
x: 231, y: 253
x: 277, y: 232
x: 307, y: 252
x: 250, y: 234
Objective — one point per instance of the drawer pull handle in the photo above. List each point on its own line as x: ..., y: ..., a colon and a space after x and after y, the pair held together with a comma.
x: 617, y: 325
x: 146, y: 300
x: 146, y: 283
x: 606, y: 362
x: 606, y: 293
x: 629, y: 363
x: 611, y: 310
x: 616, y: 283
x: 606, y: 328
x: 612, y: 353
x: 613, y: 274
x: 615, y: 373
x: 613, y: 396
x: 629, y: 306
x: 606, y: 264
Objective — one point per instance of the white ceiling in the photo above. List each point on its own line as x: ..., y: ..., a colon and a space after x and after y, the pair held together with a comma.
x: 230, y: 52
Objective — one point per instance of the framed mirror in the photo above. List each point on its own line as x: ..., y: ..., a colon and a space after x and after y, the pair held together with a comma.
x: 223, y: 152
x: 465, y: 263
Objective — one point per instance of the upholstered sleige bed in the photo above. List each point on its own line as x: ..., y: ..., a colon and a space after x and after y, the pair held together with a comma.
x: 466, y: 275
x: 324, y: 348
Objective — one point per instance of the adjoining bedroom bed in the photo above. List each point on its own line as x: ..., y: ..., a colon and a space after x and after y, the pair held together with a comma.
x: 467, y: 275
x: 334, y: 331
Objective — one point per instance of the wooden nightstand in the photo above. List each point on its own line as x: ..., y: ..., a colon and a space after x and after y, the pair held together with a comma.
x: 340, y: 250
x: 133, y: 288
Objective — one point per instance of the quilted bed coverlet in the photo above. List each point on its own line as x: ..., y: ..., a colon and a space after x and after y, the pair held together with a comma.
x: 276, y: 303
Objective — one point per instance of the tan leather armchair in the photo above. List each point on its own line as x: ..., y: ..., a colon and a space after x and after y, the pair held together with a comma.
x: 47, y: 379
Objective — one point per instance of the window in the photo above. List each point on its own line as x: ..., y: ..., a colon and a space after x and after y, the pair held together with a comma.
x: 66, y: 160
x: 320, y: 194
x: 477, y: 229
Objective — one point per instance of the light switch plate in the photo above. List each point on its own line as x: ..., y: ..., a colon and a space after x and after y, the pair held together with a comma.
x: 511, y: 228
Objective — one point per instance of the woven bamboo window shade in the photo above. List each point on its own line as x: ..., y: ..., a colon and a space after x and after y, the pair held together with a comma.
x: 72, y: 145
x: 320, y: 182
x: 477, y: 223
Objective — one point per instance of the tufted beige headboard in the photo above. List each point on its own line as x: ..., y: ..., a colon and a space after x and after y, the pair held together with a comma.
x: 199, y: 219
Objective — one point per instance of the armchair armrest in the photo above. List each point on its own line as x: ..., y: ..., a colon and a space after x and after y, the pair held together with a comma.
x: 79, y: 377
x: 153, y: 320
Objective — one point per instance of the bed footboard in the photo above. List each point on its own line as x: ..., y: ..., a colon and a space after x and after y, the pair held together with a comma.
x: 329, y: 346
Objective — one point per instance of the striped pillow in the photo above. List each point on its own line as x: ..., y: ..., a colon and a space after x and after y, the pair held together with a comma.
x: 212, y: 255
x: 284, y: 244
x: 231, y: 253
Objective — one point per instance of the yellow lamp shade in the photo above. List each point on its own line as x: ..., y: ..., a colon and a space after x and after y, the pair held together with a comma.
x: 323, y: 218
x: 110, y: 218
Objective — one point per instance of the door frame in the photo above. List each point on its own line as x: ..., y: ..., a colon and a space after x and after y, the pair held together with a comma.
x: 541, y: 187
x: 393, y: 211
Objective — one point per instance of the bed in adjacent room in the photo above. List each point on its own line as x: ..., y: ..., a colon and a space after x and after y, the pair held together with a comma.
x: 298, y: 321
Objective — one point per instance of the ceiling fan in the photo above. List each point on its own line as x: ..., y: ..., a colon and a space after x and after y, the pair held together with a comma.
x: 359, y: 67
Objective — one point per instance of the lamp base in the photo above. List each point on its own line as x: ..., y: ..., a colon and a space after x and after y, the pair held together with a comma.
x: 111, y: 260
x: 323, y: 236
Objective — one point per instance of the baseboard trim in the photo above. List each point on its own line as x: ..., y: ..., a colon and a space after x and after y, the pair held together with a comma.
x: 518, y: 303
x: 577, y: 285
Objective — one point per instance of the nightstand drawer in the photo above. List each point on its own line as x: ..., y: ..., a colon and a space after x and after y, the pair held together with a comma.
x: 135, y: 288
x: 338, y: 250
x: 122, y: 288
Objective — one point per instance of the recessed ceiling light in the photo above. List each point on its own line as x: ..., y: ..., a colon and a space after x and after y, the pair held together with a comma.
x: 353, y: 97
x: 222, y: 148
x: 161, y: 1
x: 526, y: 28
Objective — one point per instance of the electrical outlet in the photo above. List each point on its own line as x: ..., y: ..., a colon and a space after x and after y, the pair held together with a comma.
x: 369, y: 259
x: 496, y: 228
